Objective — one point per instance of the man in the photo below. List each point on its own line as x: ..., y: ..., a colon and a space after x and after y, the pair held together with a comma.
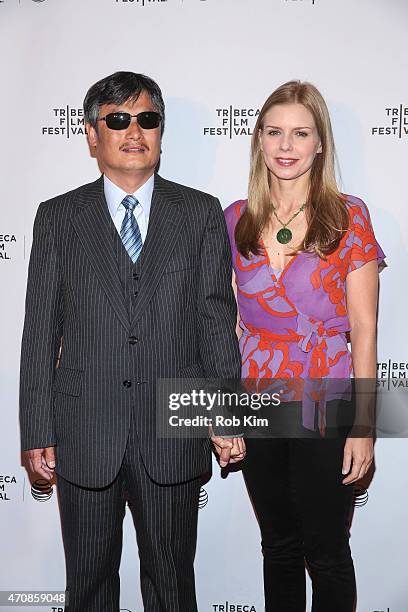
x: 129, y: 281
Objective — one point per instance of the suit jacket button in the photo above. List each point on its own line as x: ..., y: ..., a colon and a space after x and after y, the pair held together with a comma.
x: 127, y: 384
x: 133, y: 340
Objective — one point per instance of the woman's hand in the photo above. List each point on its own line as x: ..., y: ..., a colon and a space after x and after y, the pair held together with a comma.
x: 358, y: 456
x: 229, y: 450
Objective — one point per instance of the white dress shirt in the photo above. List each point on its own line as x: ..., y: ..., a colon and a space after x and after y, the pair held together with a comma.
x: 114, y: 196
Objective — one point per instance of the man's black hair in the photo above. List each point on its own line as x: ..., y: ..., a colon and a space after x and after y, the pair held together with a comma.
x: 119, y: 88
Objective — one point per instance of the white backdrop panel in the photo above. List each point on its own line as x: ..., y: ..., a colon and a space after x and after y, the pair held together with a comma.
x: 216, y: 61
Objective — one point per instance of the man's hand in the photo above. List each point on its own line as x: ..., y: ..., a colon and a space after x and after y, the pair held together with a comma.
x: 358, y: 456
x: 229, y: 450
x: 42, y: 461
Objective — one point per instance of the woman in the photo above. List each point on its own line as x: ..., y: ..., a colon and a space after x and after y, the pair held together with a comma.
x: 306, y: 269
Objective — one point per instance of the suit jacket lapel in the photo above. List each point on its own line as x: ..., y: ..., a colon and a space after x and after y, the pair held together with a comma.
x: 92, y: 226
x: 165, y: 223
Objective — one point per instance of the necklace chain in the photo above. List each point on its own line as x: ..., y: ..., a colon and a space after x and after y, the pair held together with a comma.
x: 284, y: 235
x: 284, y: 225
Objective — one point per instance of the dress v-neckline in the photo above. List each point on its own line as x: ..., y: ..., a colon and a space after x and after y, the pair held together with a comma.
x: 281, y: 270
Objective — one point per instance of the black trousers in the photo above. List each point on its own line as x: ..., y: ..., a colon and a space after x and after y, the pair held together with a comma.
x: 303, y: 513
x: 165, y: 518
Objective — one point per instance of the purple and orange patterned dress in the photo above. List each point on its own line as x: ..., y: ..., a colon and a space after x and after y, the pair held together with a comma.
x: 294, y: 323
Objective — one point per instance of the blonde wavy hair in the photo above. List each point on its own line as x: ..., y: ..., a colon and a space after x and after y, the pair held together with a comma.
x: 325, y: 209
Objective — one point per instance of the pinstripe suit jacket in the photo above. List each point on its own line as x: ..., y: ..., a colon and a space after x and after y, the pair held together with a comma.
x: 184, y: 322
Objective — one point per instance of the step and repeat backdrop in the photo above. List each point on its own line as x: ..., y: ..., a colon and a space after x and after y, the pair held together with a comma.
x: 216, y: 61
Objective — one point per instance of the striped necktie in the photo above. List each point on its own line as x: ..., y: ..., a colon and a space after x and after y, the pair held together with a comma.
x: 130, y: 232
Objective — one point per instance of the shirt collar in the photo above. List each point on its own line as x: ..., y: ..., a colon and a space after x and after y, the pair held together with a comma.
x: 114, y: 195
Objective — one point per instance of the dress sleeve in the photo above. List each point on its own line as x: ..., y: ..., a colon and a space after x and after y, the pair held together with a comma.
x: 232, y: 213
x: 364, y: 246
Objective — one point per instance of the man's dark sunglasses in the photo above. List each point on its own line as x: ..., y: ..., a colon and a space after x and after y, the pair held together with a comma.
x: 121, y: 121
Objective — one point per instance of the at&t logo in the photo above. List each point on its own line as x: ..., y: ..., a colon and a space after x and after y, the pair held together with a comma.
x: 203, y: 498
x: 42, y: 490
x: 360, y: 497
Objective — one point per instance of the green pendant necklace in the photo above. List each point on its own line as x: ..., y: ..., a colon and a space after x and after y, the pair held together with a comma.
x: 284, y: 235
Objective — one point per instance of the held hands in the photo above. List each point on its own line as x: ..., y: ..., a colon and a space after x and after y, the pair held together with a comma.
x: 358, y: 456
x: 229, y: 450
x: 42, y: 461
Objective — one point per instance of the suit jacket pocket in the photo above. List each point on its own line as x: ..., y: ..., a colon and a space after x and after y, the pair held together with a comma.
x: 68, y: 381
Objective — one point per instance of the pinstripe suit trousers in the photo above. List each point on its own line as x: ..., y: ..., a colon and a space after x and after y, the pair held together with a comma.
x: 165, y: 518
